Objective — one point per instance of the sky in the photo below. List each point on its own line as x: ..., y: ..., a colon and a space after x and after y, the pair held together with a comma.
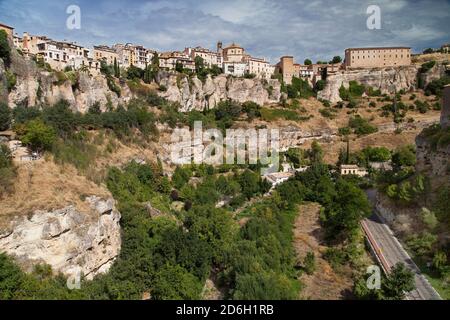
x: 315, y: 29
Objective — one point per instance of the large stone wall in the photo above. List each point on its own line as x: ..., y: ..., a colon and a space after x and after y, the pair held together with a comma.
x: 68, y: 240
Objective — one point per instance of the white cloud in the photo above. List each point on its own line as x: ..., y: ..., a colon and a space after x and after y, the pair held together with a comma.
x: 316, y: 29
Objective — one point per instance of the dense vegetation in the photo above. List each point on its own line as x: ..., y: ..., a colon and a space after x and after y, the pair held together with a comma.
x: 5, y: 49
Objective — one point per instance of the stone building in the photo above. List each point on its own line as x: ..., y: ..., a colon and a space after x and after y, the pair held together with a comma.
x: 287, y: 68
x: 9, y: 30
x: 105, y: 53
x: 209, y: 57
x: 377, y: 57
x: 352, y: 169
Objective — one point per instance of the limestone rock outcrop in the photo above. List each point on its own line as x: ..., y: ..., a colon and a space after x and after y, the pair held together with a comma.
x: 68, y: 240
x: 35, y: 86
x: 193, y: 94
x: 384, y: 79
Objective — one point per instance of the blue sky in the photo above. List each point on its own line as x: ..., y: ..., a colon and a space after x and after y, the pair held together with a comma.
x: 316, y: 29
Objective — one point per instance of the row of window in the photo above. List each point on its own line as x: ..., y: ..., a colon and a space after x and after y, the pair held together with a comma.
x: 379, y: 56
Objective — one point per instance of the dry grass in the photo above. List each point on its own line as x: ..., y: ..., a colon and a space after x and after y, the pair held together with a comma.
x: 43, y: 185
x: 325, y: 283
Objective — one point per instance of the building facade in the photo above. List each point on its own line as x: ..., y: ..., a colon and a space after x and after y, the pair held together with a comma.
x: 9, y: 30
x: 106, y: 54
x: 377, y: 57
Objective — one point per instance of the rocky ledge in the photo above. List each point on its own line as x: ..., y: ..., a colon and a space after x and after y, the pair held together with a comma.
x: 193, y: 94
x: 68, y: 240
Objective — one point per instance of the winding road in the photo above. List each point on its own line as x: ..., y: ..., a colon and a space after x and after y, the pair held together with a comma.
x: 389, y: 252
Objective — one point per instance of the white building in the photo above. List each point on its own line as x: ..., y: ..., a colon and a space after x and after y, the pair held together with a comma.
x: 237, y: 69
x: 209, y: 57
x: 352, y: 169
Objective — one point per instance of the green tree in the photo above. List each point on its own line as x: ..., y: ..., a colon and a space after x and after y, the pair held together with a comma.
x: 404, y: 157
x: 399, y: 282
x: 316, y: 152
x: 336, y: 59
x: 175, y: 283
x: 5, y: 49
x: 38, y: 136
x: 439, y: 261
x: 307, y: 62
x: 199, y: 64
x: 5, y: 116
x: 179, y: 67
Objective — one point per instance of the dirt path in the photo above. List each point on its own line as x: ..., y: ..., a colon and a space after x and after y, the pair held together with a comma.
x: 325, y: 283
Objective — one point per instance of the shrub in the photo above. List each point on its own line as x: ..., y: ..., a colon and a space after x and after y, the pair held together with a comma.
x: 309, y: 263
x: 427, y: 66
x: 11, y: 80
x: 5, y: 50
x: 7, y: 171
x: 5, y: 117
x: 38, y: 136
x: 113, y: 86
x: 361, y: 126
x: 328, y: 113
x: 319, y: 86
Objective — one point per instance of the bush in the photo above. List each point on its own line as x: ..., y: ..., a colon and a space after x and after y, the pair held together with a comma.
x: 5, y: 49
x: 38, y: 136
x: 319, y: 86
x: 361, y: 126
x: 427, y: 66
x: 5, y: 117
x: 7, y: 170
x: 328, y: 113
x: 11, y: 80
x: 309, y: 263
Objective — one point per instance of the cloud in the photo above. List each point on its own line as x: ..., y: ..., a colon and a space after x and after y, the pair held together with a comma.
x: 317, y: 29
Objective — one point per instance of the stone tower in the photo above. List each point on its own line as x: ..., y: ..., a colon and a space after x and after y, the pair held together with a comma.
x: 445, y: 113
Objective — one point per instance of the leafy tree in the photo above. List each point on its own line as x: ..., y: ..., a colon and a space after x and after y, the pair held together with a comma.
x: 180, y: 177
x: 5, y: 49
x: 316, y: 152
x: 199, y: 64
x: 404, y: 156
x: 307, y: 62
x: 336, y: 59
x: 134, y: 73
x: 179, y: 67
x: 38, y: 136
x: 319, y: 86
x: 5, y: 116
x: 175, y: 283
x: 361, y: 126
x: 439, y: 261
x: 399, y: 281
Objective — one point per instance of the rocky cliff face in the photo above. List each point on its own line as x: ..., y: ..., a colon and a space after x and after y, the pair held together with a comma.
x: 384, y: 79
x: 192, y: 94
x: 67, y: 239
x: 35, y: 86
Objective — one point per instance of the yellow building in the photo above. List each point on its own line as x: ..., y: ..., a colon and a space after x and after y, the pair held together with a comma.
x: 105, y: 53
x: 233, y: 53
x: 377, y: 57
x: 9, y: 30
